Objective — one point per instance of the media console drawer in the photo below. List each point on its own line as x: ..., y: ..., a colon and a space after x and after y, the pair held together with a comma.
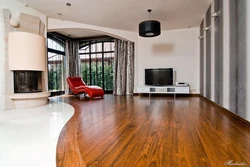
x: 143, y: 89
x: 184, y: 90
x: 163, y: 89
x: 158, y: 89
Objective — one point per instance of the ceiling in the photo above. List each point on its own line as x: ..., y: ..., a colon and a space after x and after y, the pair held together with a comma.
x: 125, y: 14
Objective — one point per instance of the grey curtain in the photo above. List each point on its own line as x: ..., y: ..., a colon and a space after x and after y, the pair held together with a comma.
x: 208, y: 54
x: 238, y: 57
x: 123, y: 82
x: 72, y: 61
x: 202, y: 59
x: 218, y: 49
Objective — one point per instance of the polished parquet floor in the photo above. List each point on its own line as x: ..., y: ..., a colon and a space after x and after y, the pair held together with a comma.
x: 131, y: 131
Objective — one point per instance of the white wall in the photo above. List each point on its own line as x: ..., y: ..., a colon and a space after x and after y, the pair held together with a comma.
x: 6, y: 77
x: 178, y: 49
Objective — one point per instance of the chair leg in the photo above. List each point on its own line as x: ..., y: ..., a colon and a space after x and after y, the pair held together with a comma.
x: 86, y: 95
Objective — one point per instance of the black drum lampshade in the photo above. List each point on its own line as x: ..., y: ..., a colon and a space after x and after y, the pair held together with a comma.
x: 149, y: 28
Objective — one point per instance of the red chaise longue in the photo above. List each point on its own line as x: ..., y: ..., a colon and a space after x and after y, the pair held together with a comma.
x: 77, y: 86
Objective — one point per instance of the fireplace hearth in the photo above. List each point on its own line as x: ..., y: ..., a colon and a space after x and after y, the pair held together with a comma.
x: 27, y: 81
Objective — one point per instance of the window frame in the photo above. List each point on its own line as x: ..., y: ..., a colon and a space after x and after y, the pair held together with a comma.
x: 59, y: 41
x: 89, y: 43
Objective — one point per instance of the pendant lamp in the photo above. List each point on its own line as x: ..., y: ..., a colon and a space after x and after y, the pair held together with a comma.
x: 149, y: 28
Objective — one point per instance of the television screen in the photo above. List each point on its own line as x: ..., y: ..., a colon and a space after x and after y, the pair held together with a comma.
x: 159, y: 77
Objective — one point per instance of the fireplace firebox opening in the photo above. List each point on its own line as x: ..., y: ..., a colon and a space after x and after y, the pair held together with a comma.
x: 27, y: 81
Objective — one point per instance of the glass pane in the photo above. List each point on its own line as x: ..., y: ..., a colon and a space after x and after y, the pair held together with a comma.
x: 108, y: 71
x: 96, y: 69
x: 62, y: 48
x: 56, y: 45
x: 93, y: 75
x: 96, y: 47
x: 109, y: 46
x: 85, y: 68
x: 49, y: 43
x: 53, y: 45
x: 84, y: 49
x: 55, y: 72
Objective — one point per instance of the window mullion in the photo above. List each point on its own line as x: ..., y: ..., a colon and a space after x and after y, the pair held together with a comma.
x: 90, y: 71
x: 103, y: 85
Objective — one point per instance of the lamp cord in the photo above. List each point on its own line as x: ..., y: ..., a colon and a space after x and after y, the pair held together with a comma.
x: 149, y: 10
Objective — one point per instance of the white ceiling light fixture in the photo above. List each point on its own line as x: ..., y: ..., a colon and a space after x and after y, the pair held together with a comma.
x: 13, y: 22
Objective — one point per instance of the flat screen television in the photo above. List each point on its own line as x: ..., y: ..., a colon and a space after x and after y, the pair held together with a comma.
x: 159, y: 77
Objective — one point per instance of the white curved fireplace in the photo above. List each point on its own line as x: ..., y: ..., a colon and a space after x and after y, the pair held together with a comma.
x: 27, y: 60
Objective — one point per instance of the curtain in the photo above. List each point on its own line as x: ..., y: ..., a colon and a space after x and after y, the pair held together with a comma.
x: 72, y: 61
x: 202, y: 59
x: 208, y: 55
x: 239, y: 75
x: 123, y: 80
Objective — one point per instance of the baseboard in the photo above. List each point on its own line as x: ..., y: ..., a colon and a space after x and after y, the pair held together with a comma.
x: 194, y: 95
x: 226, y: 111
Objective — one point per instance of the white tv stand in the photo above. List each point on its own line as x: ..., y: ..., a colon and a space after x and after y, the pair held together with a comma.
x: 163, y: 89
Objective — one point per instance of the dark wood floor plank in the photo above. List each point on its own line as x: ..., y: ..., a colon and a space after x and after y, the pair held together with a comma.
x: 126, y: 127
x: 212, y: 129
x: 68, y: 153
x: 90, y: 128
x: 152, y: 132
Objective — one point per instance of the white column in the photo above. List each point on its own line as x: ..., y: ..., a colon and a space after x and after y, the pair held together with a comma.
x: 2, y: 59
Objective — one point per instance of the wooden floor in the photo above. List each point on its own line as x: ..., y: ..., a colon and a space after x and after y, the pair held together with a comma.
x: 157, y: 132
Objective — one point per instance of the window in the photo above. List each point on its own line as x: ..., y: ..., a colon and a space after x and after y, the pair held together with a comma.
x: 97, y: 59
x: 56, y: 59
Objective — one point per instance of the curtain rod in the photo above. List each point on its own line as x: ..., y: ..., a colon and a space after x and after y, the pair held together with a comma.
x: 59, y: 35
x: 94, y: 38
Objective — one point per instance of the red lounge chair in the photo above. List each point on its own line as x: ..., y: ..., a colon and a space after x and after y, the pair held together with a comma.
x: 77, y: 86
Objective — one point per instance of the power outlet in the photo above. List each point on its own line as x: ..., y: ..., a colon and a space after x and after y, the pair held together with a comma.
x: 193, y: 90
